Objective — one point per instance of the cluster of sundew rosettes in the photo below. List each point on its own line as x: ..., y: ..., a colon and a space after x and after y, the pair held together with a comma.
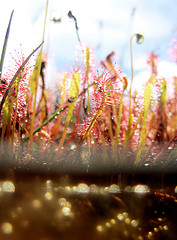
x: 18, y: 91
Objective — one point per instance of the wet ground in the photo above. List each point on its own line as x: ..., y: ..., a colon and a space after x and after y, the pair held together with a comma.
x: 35, y: 206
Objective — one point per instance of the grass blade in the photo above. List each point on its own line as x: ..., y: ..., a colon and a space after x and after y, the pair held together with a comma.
x: 5, y: 44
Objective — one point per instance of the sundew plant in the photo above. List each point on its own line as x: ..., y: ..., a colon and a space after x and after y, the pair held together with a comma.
x: 91, y: 118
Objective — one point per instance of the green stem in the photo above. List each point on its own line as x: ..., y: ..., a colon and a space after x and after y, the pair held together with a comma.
x: 139, y: 40
x: 46, y: 122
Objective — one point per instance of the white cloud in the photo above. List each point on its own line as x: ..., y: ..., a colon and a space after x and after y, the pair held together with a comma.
x: 166, y: 69
x: 155, y: 19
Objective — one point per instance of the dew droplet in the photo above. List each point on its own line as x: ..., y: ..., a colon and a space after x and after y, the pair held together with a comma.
x: 73, y: 147
x: 99, y: 228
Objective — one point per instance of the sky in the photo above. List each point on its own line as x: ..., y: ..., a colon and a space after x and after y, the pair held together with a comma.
x: 104, y: 25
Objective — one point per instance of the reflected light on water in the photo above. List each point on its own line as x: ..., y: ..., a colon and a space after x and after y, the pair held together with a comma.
x: 99, y: 228
x: 156, y: 229
x: 72, y: 203
x: 128, y: 189
x: 49, y: 185
x: 150, y: 234
x: 125, y: 214
x: 120, y: 217
x: 83, y: 188
x: 165, y: 227
x: 74, y: 188
x: 7, y: 228
x: 108, y: 224
x: 141, y: 189
x: 36, y: 203
x: 127, y: 220
x: 139, y: 238
x: 63, y: 203
x: 7, y: 186
x: 113, y: 221
x: 68, y: 188
x: 66, y: 211
x: 49, y: 196
x: 114, y: 188
x: 93, y: 188
x: 134, y: 223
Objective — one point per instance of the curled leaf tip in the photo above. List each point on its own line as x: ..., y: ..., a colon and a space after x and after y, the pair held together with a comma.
x: 70, y: 15
x: 125, y: 82
x: 139, y: 38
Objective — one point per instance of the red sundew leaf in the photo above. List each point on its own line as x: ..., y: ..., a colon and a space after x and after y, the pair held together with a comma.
x: 15, y: 77
x: 103, y: 104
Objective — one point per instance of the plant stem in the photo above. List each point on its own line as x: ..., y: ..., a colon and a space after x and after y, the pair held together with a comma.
x: 47, y: 121
x: 139, y: 40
